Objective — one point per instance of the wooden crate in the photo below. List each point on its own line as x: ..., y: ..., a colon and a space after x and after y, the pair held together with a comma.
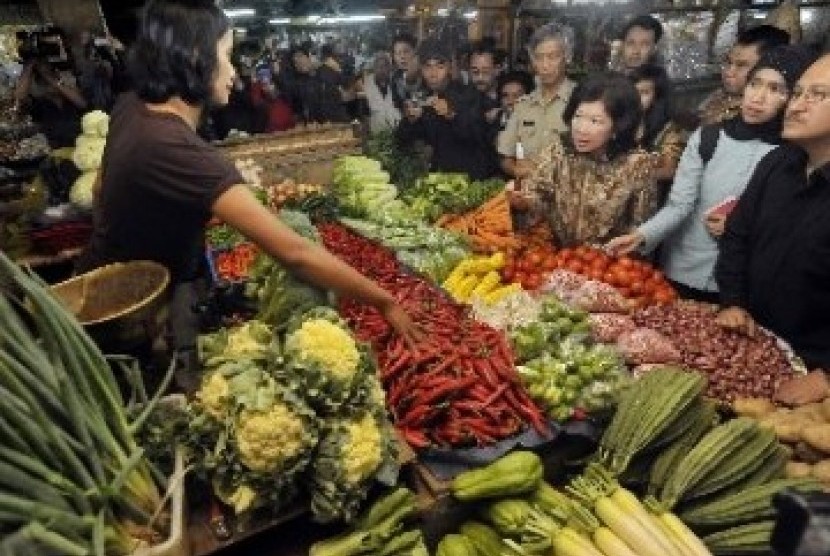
x: 306, y: 153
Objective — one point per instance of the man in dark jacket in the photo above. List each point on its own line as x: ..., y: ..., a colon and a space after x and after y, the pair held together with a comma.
x: 450, y: 120
x: 315, y: 97
x: 774, y: 264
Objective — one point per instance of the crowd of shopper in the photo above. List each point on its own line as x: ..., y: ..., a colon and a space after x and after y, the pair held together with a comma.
x: 602, y: 161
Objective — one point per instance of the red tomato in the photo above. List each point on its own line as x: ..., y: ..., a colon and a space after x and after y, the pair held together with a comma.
x: 508, y: 273
x: 625, y: 262
x: 595, y: 275
x: 575, y: 266
x: 599, y: 264
x: 664, y: 296
x: 534, y: 259
x: 637, y: 287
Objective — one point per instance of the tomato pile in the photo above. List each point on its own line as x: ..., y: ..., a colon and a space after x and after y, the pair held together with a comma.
x: 529, y: 265
x: 636, y: 280
x: 460, y: 388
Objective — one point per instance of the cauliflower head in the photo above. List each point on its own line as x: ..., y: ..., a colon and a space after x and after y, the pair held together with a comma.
x: 81, y: 193
x: 88, y: 153
x: 267, y: 439
x: 353, y: 454
x: 214, y: 395
x: 95, y: 123
x: 327, y: 344
x: 362, y: 452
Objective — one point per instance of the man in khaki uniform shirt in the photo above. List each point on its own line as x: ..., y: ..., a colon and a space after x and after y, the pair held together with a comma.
x: 537, y: 117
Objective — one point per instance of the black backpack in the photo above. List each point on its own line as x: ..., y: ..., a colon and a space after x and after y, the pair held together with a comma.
x: 709, y: 135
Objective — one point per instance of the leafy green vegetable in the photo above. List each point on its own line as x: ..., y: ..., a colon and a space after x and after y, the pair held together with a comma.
x: 405, y: 165
x: 439, y: 193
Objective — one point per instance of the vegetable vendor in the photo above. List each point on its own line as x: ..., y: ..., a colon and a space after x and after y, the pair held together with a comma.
x: 161, y: 183
x: 593, y: 184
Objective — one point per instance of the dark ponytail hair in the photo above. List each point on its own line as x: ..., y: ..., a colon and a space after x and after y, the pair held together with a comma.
x: 656, y: 118
x: 622, y: 103
x: 175, y: 50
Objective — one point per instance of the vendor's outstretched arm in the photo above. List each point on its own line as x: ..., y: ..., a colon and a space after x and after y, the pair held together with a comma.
x: 240, y: 209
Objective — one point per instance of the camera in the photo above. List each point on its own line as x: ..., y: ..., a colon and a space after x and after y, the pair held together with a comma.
x: 42, y: 46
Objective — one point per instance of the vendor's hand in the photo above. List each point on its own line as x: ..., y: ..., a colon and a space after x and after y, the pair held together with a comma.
x: 492, y: 114
x: 442, y: 107
x: 403, y: 325
x: 626, y: 244
x: 738, y: 319
x: 412, y: 111
x: 520, y: 200
x: 715, y: 223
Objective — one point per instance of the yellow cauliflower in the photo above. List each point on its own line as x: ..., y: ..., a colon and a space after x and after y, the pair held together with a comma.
x: 214, y: 395
x: 266, y: 439
x: 362, y: 453
x: 327, y: 344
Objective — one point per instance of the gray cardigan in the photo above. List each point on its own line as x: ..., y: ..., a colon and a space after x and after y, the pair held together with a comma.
x: 689, y: 251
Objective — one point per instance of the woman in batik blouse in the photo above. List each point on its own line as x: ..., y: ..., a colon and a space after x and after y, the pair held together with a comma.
x: 590, y: 183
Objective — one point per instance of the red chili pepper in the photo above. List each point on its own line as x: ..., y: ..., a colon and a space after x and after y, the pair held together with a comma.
x: 415, y: 438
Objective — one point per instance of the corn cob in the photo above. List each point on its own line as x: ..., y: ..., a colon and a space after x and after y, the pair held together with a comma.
x: 751, y: 505
x: 671, y: 456
x: 753, y: 538
x: 704, y: 458
x: 745, y: 459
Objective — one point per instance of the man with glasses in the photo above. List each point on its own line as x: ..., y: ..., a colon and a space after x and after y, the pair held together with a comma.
x: 725, y: 103
x: 774, y: 264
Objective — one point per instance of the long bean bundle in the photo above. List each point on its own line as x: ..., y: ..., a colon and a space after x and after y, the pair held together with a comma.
x: 72, y: 478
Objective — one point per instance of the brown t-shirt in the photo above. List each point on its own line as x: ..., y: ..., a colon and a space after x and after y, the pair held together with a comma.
x: 159, y: 182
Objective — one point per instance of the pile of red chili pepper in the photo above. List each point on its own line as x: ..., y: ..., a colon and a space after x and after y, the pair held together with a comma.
x: 459, y: 388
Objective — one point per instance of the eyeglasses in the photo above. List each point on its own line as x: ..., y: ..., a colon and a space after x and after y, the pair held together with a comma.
x: 810, y: 96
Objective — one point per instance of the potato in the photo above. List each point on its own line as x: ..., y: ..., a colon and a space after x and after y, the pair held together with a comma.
x: 825, y: 409
x: 817, y: 436
x: 786, y: 424
x: 753, y: 407
x: 798, y: 470
x: 812, y: 411
x: 821, y: 471
x: 806, y: 453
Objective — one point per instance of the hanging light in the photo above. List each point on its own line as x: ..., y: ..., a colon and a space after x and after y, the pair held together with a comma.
x: 240, y: 12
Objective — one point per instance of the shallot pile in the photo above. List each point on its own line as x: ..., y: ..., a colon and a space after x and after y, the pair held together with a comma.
x: 737, y: 365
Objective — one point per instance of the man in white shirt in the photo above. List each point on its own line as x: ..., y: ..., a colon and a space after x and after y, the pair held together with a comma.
x: 379, y: 94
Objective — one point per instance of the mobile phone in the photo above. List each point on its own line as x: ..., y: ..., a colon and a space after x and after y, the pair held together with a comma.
x: 724, y: 208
